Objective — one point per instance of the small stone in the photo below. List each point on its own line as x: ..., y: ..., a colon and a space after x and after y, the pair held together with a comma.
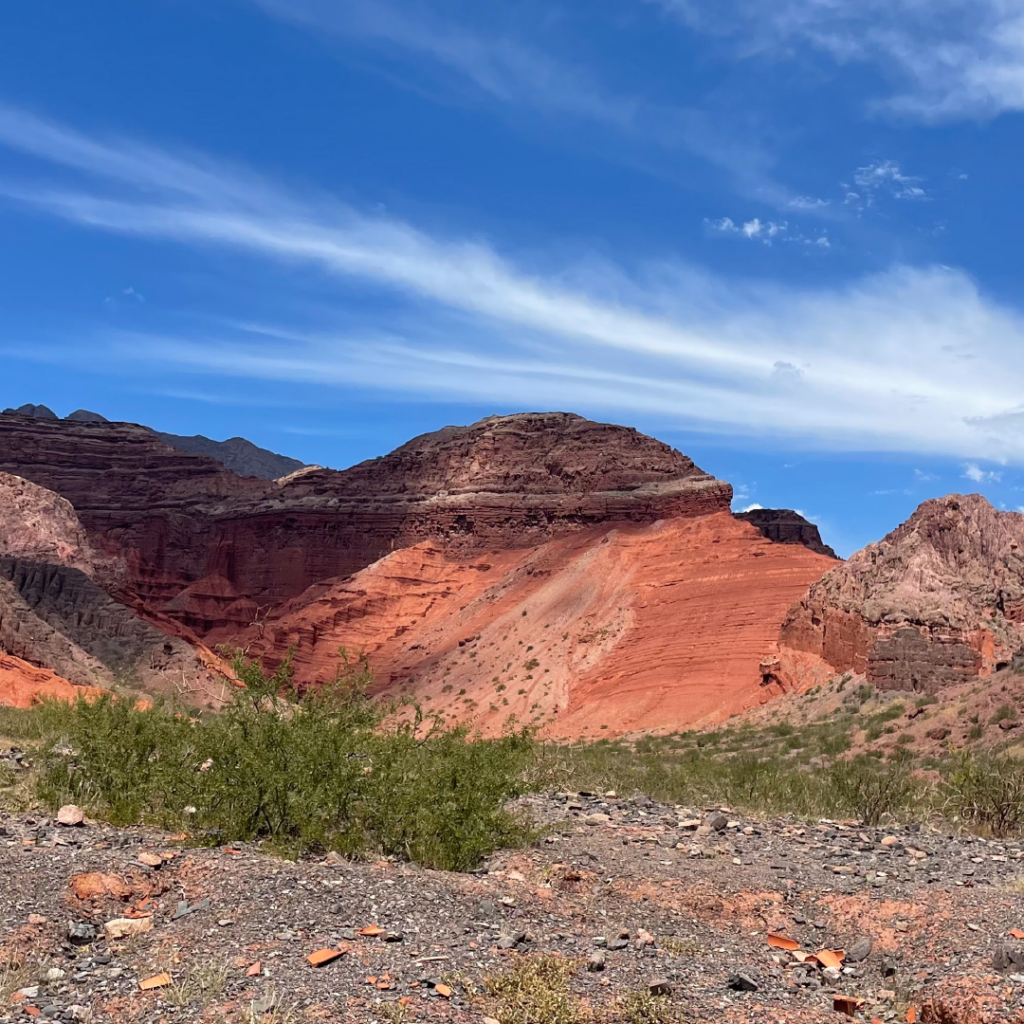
x: 53, y: 974
x: 596, y: 961
x: 617, y: 944
x: 643, y: 938
x: 717, y: 822
x: 511, y: 940
x: 394, y: 937
x: 36, y: 919
x: 742, y: 983
x: 81, y: 933
x: 70, y: 816
x: 31, y: 992
x: 859, y: 950
x: 125, y: 927
x: 660, y: 987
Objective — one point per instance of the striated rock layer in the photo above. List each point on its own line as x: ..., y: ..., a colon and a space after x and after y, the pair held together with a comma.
x: 937, y: 601
x: 212, y: 549
x: 602, y: 632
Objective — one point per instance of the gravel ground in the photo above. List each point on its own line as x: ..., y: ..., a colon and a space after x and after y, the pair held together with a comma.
x: 632, y: 892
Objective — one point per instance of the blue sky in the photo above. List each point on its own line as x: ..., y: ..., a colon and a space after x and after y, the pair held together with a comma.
x: 783, y: 237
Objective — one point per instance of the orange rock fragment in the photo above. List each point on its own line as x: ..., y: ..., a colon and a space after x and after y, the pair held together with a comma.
x: 830, y: 957
x: 912, y: 1015
x: 96, y: 885
x: 323, y: 957
x: 443, y: 990
x: 371, y: 930
x: 782, y: 942
x: 157, y: 981
x: 1015, y: 933
x: 253, y: 970
x: 151, y: 860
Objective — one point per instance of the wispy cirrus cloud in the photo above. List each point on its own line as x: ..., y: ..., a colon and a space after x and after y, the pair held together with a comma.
x: 506, y: 64
x: 914, y: 359
x: 946, y: 59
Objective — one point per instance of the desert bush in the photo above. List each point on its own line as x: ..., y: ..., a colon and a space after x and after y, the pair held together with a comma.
x: 535, y: 990
x: 325, y: 769
x: 986, y: 793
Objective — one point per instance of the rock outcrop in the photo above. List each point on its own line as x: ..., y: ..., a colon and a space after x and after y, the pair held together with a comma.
x: 784, y: 526
x: 937, y: 601
x: 211, y: 548
x: 54, y: 612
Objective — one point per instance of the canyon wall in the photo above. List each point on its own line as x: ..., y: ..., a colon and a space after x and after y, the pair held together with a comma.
x: 937, y: 601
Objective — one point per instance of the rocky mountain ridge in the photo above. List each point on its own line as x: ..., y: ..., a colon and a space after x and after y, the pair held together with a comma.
x: 236, y: 453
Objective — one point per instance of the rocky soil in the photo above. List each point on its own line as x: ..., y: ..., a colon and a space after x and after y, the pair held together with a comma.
x: 98, y: 923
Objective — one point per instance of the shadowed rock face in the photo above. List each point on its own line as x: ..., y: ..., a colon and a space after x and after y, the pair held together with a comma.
x: 784, y: 526
x: 939, y: 600
x: 210, y: 548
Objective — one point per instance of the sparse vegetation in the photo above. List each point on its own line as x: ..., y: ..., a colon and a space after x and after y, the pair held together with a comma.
x: 327, y: 769
x: 535, y: 990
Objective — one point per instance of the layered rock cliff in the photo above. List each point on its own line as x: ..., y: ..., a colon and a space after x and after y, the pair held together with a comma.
x: 937, y: 601
x: 211, y: 549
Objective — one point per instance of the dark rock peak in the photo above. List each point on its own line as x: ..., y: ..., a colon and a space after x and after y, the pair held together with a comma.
x: 39, y: 412
x: 237, y: 454
x: 84, y: 416
x: 784, y: 526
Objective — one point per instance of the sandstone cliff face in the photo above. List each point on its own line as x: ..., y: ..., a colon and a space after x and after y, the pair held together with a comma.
x: 600, y: 632
x: 210, y: 548
x: 784, y: 526
x: 937, y: 601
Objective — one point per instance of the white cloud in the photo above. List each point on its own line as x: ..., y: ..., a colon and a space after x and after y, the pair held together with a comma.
x: 946, y: 59
x: 752, y: 508
x: 913, y: 359
x: 807, y: 204
x: 977, y: 475
x: 755, y: 229
x: 922, y: 477
x: 885, y: 177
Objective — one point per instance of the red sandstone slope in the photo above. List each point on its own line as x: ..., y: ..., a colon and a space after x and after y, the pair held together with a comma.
x: 937, y: 601
x: 603, y: 632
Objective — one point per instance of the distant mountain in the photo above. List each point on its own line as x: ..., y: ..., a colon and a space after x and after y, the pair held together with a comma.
x: 240, y: 456
x: 236, y: 453
x: 39, y: 412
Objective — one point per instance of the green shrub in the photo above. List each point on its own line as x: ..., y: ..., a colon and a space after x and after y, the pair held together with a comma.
x: 326, y: 769
x: 987, y: 793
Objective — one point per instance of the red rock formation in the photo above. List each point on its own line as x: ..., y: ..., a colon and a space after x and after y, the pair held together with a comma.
x: 36, y: 523
x: 939, y: 600
x: 55, y: 613
x: 601, y: 632
x: 209, y: 548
